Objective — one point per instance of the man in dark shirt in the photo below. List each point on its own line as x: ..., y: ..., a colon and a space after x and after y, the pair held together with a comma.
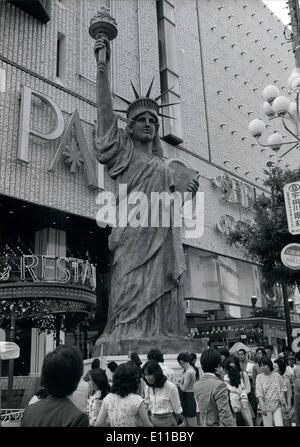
x: 61, y: 372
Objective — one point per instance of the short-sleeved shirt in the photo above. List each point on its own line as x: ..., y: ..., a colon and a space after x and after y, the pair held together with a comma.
x: 189, y: 376
x: 123, y: 411
x: 270, y: 388
x: 163, y: 400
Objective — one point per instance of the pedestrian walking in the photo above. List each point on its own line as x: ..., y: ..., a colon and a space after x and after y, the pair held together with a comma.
x: 161, y: 396
x: 123, y: 407
x: 270, y: 393
x: 238, y: 385
x: 100, y: 389
x: 280, y: 367
x: 185, y: 386
x: 211, y: 393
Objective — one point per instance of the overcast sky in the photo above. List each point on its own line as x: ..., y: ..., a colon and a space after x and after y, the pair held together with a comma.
x: 280, y: 9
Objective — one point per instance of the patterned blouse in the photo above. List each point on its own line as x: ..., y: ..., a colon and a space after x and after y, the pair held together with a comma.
x: 270, y: 389
x: 123, y: 411
x: 163, y: 400
x: 94, y: 404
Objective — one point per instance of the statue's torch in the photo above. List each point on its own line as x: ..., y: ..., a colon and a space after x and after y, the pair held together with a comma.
x: 103, y: 25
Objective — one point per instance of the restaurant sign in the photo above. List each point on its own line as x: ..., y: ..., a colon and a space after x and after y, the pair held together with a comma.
x: 47, y: 268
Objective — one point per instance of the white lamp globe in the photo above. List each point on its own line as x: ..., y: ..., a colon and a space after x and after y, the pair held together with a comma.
x: 267, y: 109
x: 256, y: 127
x: 293, y: 108
x: 275, y: 141
x: 295, y: 72
x: 270, y: 93
x: 281, y: 105
x: 295, y: 83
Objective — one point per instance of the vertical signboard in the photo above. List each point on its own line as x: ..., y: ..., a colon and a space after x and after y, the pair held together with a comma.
x: 292, y: 206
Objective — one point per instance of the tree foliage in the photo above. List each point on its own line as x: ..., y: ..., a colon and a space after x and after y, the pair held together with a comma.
x: 267, y: 234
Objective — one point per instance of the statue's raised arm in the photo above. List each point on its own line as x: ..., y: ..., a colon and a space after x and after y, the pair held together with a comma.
x: 103, y: 28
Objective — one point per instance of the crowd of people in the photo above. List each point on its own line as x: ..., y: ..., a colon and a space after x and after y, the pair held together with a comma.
x: 223, y: 389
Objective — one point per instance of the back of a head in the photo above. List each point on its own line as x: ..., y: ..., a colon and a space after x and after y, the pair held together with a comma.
x: 184, y: 357
x: 210, y: 360
x: 135, y: 358
x: 62, y: 370
x: 95, y: 364
x: 224, y: 351
x: 99, y: 377
x: 125, y: 379
x: 155, y: 354
x: 112, y: 366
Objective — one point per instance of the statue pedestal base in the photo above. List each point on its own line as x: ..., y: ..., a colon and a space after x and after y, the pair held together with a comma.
x: 167, y: 345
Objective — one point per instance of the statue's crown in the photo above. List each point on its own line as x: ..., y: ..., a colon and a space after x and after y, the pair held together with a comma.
x: 143, y: 104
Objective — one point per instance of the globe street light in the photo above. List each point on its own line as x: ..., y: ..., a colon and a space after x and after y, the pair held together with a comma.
x: 280, y: 107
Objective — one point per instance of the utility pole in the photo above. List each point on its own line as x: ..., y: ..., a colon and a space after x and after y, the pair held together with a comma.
x: 295, y: 22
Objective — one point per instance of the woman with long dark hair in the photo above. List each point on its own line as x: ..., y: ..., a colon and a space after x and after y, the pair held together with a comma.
x: 280, y: 367
x: 235, y: 382
x: 100, y: 387
x: 186, y: 386
x: 162, y: 397
x: 123, y: 407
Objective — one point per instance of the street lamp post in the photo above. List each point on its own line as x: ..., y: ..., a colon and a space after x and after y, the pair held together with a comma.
x: 280, y: 107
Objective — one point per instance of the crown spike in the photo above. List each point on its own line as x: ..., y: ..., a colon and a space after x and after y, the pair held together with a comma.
x: 120, y: 111
x: 167, y: 105
x: 150, y: 88
x: 134, y: 90
x: 123, y: 99
x: 166, y: 116
x: 166, y: 91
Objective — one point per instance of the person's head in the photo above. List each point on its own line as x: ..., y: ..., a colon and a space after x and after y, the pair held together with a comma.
x: 297, y: 358
x: 112, y: 366
x: 242, y: 355
x: 99, y: 381
x: 269, y: 351
x: 136, y: 359
x: 224, y: 353
x: 155, y: 354
x: 95, y: 364
x: 210, y: 360
x: 260, y: 354
x: 280, y: 366
x: 125, y: 379
x: 184, y: 360
x: 291, y: 360
x: 232, y: 367
x: 153, y: 374
x: 62, y: 370
x: 193, y: 358
x: 267, y: 366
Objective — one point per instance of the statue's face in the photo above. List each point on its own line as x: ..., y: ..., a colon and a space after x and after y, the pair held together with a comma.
x: 144, y: 128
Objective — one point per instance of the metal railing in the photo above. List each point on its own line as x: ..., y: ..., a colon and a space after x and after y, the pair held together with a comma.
x: 11, y: 414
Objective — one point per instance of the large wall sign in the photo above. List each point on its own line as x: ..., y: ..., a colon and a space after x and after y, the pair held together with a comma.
x: 26, y: 130
x: 235, y: 191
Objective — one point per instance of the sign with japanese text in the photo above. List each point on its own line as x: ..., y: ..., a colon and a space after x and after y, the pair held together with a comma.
x: 292, y: 205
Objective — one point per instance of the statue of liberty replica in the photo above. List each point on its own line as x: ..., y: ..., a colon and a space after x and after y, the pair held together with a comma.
x: 146, y: 305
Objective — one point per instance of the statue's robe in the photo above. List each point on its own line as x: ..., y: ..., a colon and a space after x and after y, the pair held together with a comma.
x: 146, y: 298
